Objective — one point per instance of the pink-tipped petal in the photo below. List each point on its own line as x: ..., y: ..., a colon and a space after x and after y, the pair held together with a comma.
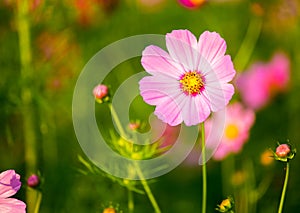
x: 183, y: 48
x: 211, y: 47
x: 219, y: 95
x: 157, y: 61
x: 9, y: 183
x: 155, y: 88
x: 197, y: 111
x: 11, y: 205
x: 169, y: 110
x: 223, y: 69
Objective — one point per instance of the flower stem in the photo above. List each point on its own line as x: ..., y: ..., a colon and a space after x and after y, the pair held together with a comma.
x: 284, y: 187
x: 244, y: 53
x: 38, y: 202
x: 117, y: 120
x: 139, y: 172
x: 30, y: 153
x: 204, y: 175
x: 130, y: 201
x: 148, y: 190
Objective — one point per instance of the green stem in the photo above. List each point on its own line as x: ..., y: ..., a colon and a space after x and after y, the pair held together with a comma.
x: 38, y: 202
x: 117, y: 120
x: 204, y: 175
x: 284, y: 187
x: 130, y: 201
x: 140, y: 174
x: 244, y: 53
x: 23, y: 23
x: 227, y: 170
x: 148, y: 190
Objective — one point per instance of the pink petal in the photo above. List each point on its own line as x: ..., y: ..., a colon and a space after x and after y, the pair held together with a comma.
x: 183, y: 48
x: 11, y: 205
x: 9, y: 183
x: 155, y: 88
x: 211, y: 47
x: 196, y: 110
x: 157, y: 61
x: 223, y: 69
x: 169, y: 110
x: 219, y: 95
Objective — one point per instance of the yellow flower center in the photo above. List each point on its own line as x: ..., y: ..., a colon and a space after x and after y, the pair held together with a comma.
x: 197, y: 2
x: 231, y: 131
x: 191, y: 83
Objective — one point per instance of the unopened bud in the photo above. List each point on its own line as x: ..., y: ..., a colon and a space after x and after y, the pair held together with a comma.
x: 101, y: 93
x: 109, y: 210
x: 284, y: 152
x: 33, y: 181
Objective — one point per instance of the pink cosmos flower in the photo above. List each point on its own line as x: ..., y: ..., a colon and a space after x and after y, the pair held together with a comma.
x: 237, y: 127
x: 263, y: 81
x: 192, y: 4
x: 9, y: 185
x: 191, y: 80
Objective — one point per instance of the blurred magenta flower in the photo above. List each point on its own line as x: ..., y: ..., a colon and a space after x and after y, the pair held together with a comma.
x: 237, y: 128
x: 264, y: 80
x: 191, y: 80
x: 192, y: 4
x: 9, y: 185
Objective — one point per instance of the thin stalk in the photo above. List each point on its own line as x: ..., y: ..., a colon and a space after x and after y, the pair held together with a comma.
x: 148, y: 190
x: 30, y: 153
x: 244, y: 53
x: 227, y: 170
x: 130, y: 201
x: 284, y: 187
x: 117, y: 120
x: 139, y: 172
x: 204, y: 174
x: 38, y: 202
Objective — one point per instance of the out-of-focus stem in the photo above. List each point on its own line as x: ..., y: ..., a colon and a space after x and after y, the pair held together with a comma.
x: 244, y: 53
x: 204, y: 175
x: 38, y: 202
x: 130, y: 201
x: 147, y: 190
x: 26, y: 96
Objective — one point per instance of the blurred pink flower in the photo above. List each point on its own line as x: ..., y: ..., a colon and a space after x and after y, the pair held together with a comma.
x: 264, y: 80
x: 9, y: 185
x: 191, y: 80
x: 237, y: 127
x: 191, y: 4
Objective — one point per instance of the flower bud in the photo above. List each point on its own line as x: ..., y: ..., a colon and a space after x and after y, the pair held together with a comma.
x: 109, y: 210
x: 226, y: 205
x: 33, y: 181
x: 101, y: 93
x: 134, y: 126
x: 284, y: 152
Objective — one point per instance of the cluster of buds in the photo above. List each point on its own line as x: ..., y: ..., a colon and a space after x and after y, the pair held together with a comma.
x: 284, y: 152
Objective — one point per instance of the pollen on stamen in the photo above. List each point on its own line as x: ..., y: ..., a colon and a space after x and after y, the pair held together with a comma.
x: 192, y: 83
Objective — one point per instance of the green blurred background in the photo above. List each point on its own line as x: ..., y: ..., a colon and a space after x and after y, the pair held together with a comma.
x: 36, y: 99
